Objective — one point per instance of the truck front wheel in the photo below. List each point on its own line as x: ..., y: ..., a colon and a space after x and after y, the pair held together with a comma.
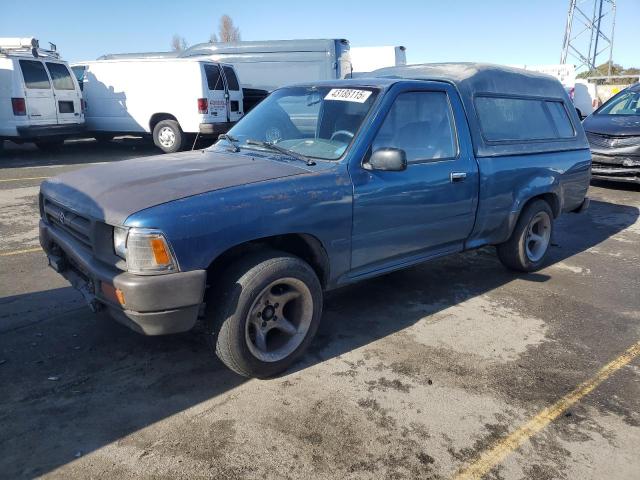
x: 263, y: 313
x: 529, y: 244
x: 168, y: 136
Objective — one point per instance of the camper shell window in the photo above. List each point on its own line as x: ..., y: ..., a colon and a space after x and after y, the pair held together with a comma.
x: 519, y: 119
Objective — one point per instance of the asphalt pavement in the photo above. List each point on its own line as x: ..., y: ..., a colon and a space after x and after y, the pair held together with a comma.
x: 456, y: 368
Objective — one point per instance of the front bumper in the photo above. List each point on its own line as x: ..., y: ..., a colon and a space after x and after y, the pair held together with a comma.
x: 621, y: 168
x: 215, y: 128
x: 153, y: 304
x: 49, y: 131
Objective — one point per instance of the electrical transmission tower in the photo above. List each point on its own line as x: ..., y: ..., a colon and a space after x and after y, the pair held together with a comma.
x: 584, y: 37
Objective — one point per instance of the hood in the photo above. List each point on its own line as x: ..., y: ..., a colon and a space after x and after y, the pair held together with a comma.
x: 114, y: 191
x: 614, y: 125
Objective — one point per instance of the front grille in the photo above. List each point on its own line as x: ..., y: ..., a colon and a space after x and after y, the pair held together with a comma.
x: 608, y: 141
x: 70, y: 222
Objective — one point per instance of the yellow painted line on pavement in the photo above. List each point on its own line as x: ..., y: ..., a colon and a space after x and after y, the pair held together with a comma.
x: 18, y: 252
x: 24, y: 178
x: 494, y: 456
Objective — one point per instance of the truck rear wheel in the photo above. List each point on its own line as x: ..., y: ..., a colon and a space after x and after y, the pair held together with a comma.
x: 168, y: 136
x: 264, y: 313
x: 529, y: 244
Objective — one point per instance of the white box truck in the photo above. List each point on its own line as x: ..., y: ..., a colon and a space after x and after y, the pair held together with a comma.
x: 40, y: 100
x: 368, y: 59
x: 171, y: 99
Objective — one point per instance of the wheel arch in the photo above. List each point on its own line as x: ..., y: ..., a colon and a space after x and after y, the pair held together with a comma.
x: 158, y: 117
x: 302, y: 245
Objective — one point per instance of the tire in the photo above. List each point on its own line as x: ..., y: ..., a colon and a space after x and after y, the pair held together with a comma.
x: 522, y: 252
x: 168, y: 136
x: 49, y: 145
x: 236, y: 311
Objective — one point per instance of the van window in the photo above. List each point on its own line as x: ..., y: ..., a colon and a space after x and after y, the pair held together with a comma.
x: 214, y: 79
x: 60, y: 76
x: 232, y: 80
x: 421, y: 124
x: 522, y: 119
x: 34, y: 74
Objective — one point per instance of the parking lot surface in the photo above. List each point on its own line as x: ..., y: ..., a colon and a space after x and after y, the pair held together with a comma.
x: 453, y: 369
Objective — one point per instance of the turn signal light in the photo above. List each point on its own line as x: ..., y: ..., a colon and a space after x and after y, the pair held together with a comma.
x: 19, y: 107
x: 113, y: 293
x: 160, y: 251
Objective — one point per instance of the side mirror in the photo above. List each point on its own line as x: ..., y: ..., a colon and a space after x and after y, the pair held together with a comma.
x: 388, y: 159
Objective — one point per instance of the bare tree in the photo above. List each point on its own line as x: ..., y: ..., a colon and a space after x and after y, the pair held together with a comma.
x: 213, y: 38
x: 178, y: 43
x: 227, y: 31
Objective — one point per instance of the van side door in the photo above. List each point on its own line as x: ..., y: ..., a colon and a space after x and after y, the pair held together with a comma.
x: 234, y: 94
x: 66, y: 93
x: 218, y: 111
x: 428, y: 209
x: 41, y: 105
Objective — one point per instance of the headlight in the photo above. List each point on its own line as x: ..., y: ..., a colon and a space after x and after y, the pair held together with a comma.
x: 120, y: 241
x: 146, y: 250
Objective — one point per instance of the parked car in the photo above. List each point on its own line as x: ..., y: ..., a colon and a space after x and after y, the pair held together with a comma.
x: 170, y: 99
x: 321, y: 185
x: 40, y: 100
x: 613, y: 132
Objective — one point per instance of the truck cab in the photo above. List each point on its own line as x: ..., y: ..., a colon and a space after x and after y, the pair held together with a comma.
x: 323, y: 184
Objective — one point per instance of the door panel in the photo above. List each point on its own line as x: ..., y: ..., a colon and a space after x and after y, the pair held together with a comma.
x: 67, y: 98
x: 218, y: 111
x: 235, y: 94
x: 423, y: 210
x: 41, y: 106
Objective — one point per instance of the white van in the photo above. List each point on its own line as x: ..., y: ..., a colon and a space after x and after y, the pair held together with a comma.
x: 40, y: 100
x: 172, y: 99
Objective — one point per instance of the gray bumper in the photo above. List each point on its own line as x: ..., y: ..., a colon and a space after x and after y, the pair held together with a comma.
x: 215, y: 128
x: 154, y: 304
x: 619, y: 168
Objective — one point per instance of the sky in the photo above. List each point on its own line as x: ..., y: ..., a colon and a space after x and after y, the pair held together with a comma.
x: 507, y: 31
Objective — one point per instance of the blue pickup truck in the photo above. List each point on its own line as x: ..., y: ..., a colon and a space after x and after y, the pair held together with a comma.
x: 321, y: 185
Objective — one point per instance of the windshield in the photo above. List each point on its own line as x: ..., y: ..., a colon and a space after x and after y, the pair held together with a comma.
x: 627, y: 103
x: 317, y: 122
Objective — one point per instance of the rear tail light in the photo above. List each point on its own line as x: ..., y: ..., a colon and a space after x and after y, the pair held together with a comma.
x: 19, y: 107
x: 203, y: 105
x: 83, y: 105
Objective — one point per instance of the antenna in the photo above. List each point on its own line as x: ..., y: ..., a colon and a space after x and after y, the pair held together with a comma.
x: 588, y: 36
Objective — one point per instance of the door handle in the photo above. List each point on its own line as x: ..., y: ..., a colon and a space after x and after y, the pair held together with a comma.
x: 457, y: 176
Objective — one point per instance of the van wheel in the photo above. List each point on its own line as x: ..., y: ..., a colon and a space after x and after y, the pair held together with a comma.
x: 49, y: 145
x: 264, y: 313
x: 529, y: 244
x: 168, y: 136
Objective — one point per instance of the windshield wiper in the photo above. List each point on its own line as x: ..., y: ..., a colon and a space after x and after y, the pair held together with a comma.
x: 284, y: 151
x: 232, y: 140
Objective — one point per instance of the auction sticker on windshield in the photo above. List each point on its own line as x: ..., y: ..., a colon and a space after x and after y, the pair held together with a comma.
x: 348, y: 95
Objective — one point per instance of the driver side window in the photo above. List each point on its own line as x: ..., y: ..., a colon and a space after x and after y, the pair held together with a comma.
x: 421, y: 124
